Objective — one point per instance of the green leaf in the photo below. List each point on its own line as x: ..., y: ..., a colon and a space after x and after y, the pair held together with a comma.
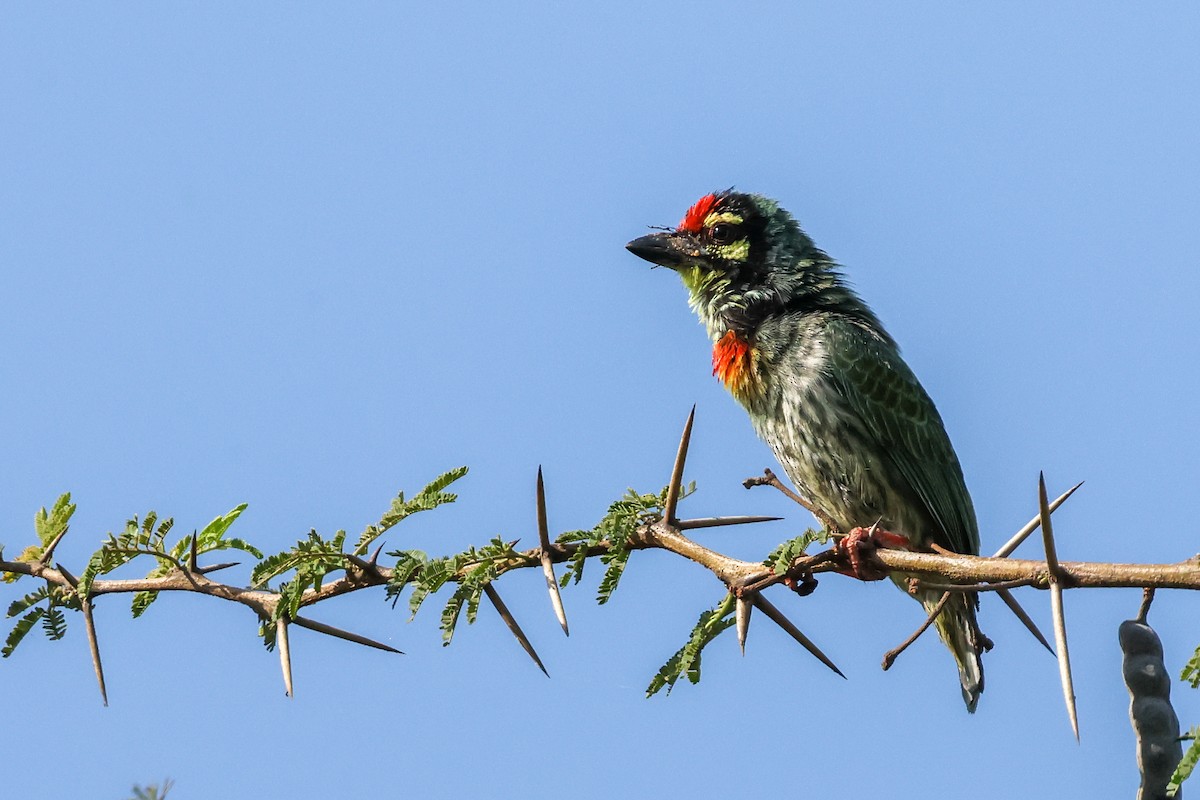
x: 781, y: 558
x: 213, y: 531
x: 142, y: 601
x: 49, y: 525
x: 575, y: 563
x: 272, y: 566
x: 1187, y: 764
x: 23, y: 626
x: 54, y: 623
x: 1191, y: 670
x: 267, y: 631
x: 312, y: 558
x: 114, y: 553
x: 290, y: 595
x: 451, y: 611
x: 435, y: 574
x: 624, y: 518
x: 686, y: 661
x: 612, y: 576
x: 427, y: 499
x: 408, y: 564
x: 18, y: 606
x: 235, y: 543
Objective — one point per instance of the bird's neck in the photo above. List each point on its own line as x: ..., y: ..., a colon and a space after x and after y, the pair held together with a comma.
x: 810, y: 284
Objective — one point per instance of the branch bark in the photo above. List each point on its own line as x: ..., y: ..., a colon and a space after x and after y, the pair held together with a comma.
x: 973, y: 572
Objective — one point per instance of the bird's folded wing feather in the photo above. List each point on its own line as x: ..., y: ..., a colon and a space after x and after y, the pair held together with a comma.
x: 896, y: 411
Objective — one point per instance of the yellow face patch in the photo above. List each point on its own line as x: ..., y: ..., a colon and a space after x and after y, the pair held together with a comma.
x: 723, y: 216
x: 738, y: 251
x: 734, y: 251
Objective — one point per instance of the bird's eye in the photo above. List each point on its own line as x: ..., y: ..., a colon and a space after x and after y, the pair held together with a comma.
x: 724, y: 233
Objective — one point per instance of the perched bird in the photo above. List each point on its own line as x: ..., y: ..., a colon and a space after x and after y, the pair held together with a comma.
x: 825, y: 386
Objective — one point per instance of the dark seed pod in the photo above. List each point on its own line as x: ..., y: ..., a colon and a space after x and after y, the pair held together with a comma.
x: 1154, y: 721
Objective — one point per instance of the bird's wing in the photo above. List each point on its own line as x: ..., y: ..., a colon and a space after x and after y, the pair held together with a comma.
x: 895, y: 410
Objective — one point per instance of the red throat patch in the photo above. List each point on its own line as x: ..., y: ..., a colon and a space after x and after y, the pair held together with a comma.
x: 693, y: 220
x: 731, y: 361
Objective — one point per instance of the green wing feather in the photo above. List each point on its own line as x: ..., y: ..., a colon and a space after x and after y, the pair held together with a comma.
x: 880, y: 388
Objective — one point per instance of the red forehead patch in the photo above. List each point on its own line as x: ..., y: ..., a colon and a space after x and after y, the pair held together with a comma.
x: 693, y: 220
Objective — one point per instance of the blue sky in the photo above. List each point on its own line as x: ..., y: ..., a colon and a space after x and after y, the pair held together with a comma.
x: 303, y: 256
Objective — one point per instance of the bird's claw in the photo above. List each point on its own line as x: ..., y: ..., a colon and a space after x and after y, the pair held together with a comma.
x: 858, y: 547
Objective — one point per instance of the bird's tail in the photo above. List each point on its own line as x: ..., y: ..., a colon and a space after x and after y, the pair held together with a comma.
x: 958, y: 629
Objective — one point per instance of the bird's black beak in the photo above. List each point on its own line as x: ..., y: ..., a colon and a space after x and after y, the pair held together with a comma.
x: 658, y: 248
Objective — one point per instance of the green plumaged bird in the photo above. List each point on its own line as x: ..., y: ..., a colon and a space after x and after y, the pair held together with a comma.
x: 826, y: 388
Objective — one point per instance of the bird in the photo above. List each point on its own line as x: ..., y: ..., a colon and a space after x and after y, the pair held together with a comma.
x: 825, y: 386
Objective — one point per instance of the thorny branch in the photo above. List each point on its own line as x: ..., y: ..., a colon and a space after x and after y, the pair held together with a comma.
x: 745, y: 579
x: 966, y: 573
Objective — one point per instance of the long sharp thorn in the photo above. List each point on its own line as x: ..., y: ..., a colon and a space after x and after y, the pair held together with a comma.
x: 1047, y: 530
x: 547, y: 562
x: 89, y: 624
x: 744, y: 606
x: 555, y: 596
x: 1026, y: 620
x: 193, y: 553
x: 374, y: 559
x: 48, y: 553
x: 1064, y: 656
x: 215, y: 567
x: 1033, y: 524
x: 321, y: 627
x: 717, y: 522
x: 71, y: 579
x: 764, y: 605
x: 675, y: 487
x: 1056, y: 606
x: 360, y: 562
x: 511, y: 622
x: 285, y: 654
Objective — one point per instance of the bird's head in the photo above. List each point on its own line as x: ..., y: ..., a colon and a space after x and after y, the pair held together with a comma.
x: 741, y: 257
x: 727, y: 236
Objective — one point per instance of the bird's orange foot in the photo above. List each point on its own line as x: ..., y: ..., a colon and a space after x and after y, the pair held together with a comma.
x: 860, y: 544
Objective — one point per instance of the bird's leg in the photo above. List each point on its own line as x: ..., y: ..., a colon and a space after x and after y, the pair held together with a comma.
x: 858, y: 546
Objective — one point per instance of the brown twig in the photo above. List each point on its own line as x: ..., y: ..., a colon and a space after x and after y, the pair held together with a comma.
x: 1144, y: 609
x: 975, y: 587
x: 890, y: 656
x: 769, y: 478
